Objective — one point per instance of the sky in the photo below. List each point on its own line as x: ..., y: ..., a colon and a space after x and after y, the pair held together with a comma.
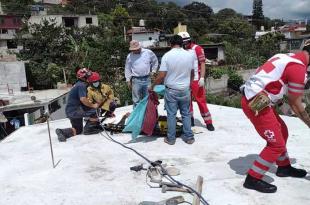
x: 281, y: 9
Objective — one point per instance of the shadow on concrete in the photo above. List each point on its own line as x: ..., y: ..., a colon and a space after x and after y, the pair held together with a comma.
x: 144, y: 139
x: 198, y: 123
x: 241, y: 166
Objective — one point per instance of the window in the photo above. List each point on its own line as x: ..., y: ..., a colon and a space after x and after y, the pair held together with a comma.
x: 69, y: 22
x: 11, y: 44
x: 89, y: 20
x: 4, y: 31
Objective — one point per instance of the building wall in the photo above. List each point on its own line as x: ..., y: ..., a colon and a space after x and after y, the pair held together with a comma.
x: 12, y: 74
x: 10, y: 22
x: 220, y: 54
x: 180, y: 28
x: 82, y: 21
x: 59, y: 19
x: 3, y: 45
x: 143, y: 38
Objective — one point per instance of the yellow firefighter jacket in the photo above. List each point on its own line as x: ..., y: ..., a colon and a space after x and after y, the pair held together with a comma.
x: 104, y: 95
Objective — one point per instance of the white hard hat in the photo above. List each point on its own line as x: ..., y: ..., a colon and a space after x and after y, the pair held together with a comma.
x: 185, y: 36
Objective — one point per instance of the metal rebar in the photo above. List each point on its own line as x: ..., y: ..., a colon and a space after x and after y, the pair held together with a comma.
x: 50, y: 139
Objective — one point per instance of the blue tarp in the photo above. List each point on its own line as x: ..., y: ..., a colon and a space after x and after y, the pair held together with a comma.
x: 159, y: 89
x: 135, y: 120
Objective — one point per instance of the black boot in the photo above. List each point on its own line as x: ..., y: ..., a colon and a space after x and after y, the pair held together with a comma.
x: 259, y: 185
x: 92, y: 128
x: 64, y: 134
x: 289, y: 171
x: 210, y: 127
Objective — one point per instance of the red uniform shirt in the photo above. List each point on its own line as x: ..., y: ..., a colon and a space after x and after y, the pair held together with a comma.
x: 199, y: 53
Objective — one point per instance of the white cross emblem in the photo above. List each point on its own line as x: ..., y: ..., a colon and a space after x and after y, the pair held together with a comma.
x: 270, y: 135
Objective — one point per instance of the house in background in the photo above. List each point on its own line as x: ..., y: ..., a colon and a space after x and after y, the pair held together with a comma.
x: 147, y: 37
x: 295, y: 30
x: 180, y: 28
x: 66, y: 20
x: 62, y: 2
x: 295, y: 35
x: 9, y: 25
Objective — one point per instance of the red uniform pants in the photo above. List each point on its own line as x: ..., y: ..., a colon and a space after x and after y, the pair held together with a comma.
x: 271, y: 128
x: 199, y: 93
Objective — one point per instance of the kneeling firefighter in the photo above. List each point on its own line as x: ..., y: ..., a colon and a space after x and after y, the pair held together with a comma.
x: 78, y: 107
x: 102, y: 94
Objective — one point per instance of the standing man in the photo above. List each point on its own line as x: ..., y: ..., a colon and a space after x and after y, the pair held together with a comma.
x: 198, y: 85
x: 140, y: 64
x: 281, y: 74
x: 78, y: 106
x: 176, y: 70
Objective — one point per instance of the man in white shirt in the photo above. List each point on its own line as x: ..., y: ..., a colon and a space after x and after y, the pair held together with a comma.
x: 140, y: 64
x: 177, y: 72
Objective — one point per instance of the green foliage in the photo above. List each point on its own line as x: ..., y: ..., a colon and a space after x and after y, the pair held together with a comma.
x: 198, y: 10
x: 220, y: 99
x: 243, y: 54
x: 269, y: 44
x: 120, y: 18
x: 218, y: 72
x: 234, y: 81
x: 257, y: 13
x: 16, y: 6
x: 227, y: 13
x: 42, y: 49
x: 235, y: 27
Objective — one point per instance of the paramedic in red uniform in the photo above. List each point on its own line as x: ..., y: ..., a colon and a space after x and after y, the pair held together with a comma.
x: 198, y: 84
x: 283, y: 74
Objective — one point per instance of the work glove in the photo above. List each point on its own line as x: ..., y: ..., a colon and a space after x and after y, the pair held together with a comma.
x: 201, y: 82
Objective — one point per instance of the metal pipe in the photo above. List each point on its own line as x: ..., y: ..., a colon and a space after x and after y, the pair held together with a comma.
x: 50, y: 139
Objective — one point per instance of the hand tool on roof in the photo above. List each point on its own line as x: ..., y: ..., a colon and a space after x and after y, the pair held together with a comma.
x: 171, y: 201
x: 165, y: 188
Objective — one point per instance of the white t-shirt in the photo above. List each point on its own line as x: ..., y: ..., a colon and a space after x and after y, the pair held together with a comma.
x: 178, y: 63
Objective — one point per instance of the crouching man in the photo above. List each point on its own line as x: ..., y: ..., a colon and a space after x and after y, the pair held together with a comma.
x: 102, y: 94
x: 78, y: 107
x: 177, y: 72
x: 281, y: 73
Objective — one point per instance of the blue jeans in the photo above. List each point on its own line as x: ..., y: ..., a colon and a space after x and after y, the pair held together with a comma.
x: 139, y: 88
x: 174, y: 100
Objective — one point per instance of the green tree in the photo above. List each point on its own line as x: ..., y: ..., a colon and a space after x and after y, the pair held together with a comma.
x: 121, y: 18
x: 41, y: 49
x: 198, y: 10
x: 227, y: 13
x: 17, y: 6
x: 257, y: 14
x: 269, y: 44
x: 198, y: 18
x: 236, y: 28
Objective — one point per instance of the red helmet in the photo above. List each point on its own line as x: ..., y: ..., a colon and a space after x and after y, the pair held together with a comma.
x: 83, y: 73
x: 94, y: 77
